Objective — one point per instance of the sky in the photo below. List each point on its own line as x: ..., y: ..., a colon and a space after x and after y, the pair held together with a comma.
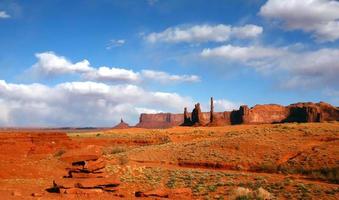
x: 91, y: 62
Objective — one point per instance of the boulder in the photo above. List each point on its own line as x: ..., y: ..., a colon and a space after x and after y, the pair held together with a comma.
x: 93, y: 166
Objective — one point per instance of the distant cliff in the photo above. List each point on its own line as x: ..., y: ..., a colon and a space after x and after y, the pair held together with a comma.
x: 160, y: 120
x: 259, y: 114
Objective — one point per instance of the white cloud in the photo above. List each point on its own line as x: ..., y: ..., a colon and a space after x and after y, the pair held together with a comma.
x: 320, y: 17
x: 204, y: 33
x: 4, y: 15
x: 242, y: 54
x: 225, y: 105
x: 81, y: 104
x: 304, y: 68
x: 168, y: 78
x: 115, y: 43
x: 247, y: 31
x: 50, y: 64
x: 148, y: 110
x: 111, y: 74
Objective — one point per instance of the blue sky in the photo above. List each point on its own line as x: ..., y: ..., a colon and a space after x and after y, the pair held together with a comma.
x: 88, y: 63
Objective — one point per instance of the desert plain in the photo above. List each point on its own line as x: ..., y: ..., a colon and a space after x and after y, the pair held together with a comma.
x: 268, y: 161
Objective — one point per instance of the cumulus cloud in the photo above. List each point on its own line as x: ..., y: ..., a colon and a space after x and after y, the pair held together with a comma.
x: 304, y: 68
x: 204, y: 33
x: 50, y: 64
x: 115, y: 43
x: 81, y: 104
x: 4, y: 15
x: 166, y: 78
x: 319, y: 17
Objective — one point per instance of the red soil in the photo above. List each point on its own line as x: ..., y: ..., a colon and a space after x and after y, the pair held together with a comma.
x: 289, y: 161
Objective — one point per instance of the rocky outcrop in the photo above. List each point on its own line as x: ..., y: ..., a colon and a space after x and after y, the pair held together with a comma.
x: 178, y: 193
x: 265, y: 114
x: 312, y: 112
x: 212, y: 118
x: 187, y: 118
x: 85, y: 173
x: 160, y: 120
x: 32, y: 142
x: 197, y: 116
x: 121, y: 125
x: 259, y: 114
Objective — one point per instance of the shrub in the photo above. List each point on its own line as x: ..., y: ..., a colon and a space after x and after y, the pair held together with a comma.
x: 165, y: 139
x: 242, y: 193
x: 328, y: 174
x: 123, y: 159
x: 59, y: 153
x: 113, y: 150
x: 263, y: 194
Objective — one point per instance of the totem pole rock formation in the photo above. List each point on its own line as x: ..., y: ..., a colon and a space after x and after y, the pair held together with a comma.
x: 187, y: 118
x: 197, y: 117
x: 212, y: 111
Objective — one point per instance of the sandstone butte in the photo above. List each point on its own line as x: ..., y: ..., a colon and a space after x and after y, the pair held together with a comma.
x: 259, y: 114
x: 121, y: 125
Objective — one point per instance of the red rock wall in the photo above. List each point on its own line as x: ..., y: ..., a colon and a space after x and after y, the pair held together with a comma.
x: 266, y: 114
x: 259, y: 114
x: 160, y: 120
x: 221, y: 118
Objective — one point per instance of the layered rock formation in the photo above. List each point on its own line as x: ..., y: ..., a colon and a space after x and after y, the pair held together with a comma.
x: 160, y: 120
x: 32, y: 143
x: 85, y: 173
x: 259, y: 114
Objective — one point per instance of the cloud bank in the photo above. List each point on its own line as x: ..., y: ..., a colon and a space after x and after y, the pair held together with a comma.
x: 303, y: 68
x: 319, y: 17
x: 81, y: 103
x: 204, y: 33
x: 49, y: 64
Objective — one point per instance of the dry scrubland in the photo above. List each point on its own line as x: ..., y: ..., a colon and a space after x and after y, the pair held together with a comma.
x: 278, y: 161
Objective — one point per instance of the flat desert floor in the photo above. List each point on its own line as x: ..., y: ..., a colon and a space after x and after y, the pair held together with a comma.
x: 276, y: 161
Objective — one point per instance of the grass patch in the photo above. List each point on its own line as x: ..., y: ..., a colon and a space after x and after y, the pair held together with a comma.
x: 267, y: 167
x: 327, y: 174
x: 113, y: 150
